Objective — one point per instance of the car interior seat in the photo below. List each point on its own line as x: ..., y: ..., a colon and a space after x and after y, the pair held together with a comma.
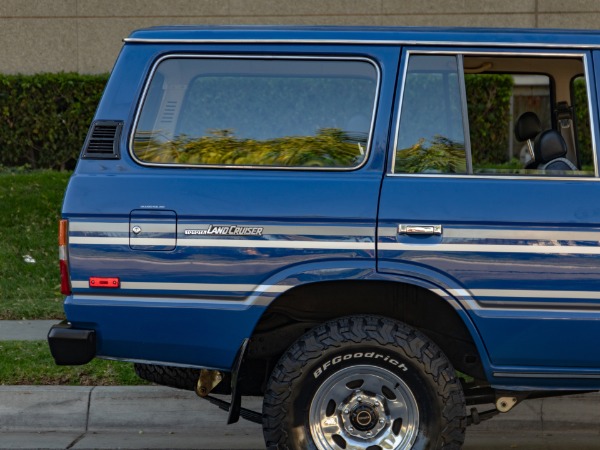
x: 550, y: 149
x: 527, y: 127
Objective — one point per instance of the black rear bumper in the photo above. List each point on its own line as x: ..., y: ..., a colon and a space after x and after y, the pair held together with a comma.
x: 71, y: 347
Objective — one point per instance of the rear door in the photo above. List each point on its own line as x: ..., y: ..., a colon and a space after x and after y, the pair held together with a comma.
x: 253, y: 169
x: 265, y: 161
x: 464, y: 207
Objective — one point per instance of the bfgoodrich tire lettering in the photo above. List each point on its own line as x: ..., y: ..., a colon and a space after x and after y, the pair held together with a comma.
x: 364, y: 382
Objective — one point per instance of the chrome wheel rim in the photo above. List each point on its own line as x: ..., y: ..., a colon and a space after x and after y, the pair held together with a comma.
x: 363, y: 407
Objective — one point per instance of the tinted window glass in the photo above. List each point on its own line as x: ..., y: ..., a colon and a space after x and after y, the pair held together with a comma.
x: 526, y: 115
x: 495, y: 102
x: 431, y: 135
x: 252, y: 112
x: 581, y: 115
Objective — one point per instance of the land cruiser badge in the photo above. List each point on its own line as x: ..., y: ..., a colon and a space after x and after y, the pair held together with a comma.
x: 227, y: 230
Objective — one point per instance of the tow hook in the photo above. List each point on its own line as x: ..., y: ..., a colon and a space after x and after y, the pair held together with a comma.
x: 207, y: 381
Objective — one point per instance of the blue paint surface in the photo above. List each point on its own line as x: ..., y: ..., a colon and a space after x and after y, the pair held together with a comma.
x: 194, y: 304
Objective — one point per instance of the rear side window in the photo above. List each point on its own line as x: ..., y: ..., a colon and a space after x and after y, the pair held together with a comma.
x: 252, y: 112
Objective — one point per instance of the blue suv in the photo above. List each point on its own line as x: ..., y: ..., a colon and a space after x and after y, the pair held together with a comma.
x: 373, y: 228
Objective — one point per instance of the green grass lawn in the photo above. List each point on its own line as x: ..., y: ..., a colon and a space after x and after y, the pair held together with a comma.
x: 30, y: 362
x: 30, y: 205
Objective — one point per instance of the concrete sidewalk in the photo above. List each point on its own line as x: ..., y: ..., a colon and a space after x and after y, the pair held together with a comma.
x: 25, y: 330
x: 221, y: 439
x: 158, y: 417
x: 74, y: 408
x: 63, y: 415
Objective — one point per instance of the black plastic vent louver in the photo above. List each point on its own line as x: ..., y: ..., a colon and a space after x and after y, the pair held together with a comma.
x: 102, y: 141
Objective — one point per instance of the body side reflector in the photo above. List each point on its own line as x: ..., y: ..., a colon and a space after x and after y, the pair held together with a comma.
x: 105, y: 282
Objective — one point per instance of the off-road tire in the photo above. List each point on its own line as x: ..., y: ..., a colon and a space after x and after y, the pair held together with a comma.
x: 309, y: 363
x: 175, y: 377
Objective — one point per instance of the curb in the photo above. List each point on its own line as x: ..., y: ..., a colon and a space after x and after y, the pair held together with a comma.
x: 579, y: 412
x: 108, y: 408
x: 153, y: 408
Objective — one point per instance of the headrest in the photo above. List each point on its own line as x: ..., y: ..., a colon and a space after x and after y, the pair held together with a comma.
x: 549, y: 145
x: 528, y: 126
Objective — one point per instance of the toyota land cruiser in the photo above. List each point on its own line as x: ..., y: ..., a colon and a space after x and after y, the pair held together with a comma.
x: 373, y: 228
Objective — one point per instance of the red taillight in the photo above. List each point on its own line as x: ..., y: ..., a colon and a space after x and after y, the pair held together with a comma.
x: 65, y: 279
x: 65, y: 282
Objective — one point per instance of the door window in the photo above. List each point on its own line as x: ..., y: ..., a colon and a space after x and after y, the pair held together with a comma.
x: 431, y: 135
x: 521, y: 115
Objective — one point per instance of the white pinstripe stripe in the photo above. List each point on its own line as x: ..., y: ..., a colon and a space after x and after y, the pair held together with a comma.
x: 98, y: 240
x: 484, y: 248
x: 239, y: 243
x: 99, y: 227
x: 266, y: 288
x: 256, y: 296
x: 309, y: 230
x: 555, y: 310
x: 512, y: 293
x: 217, y: 287
x: 342, y: 245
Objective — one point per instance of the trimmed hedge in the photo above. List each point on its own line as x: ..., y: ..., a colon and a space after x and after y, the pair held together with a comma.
x: 45, y: 117
x: 582, y: 118
x: 488, y: 97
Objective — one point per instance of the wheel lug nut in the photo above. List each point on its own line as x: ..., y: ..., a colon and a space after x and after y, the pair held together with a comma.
x: 346, y: 411
x: 381, y: 421
x: 376, y: 404
x: 350, y: 428
x: 359, y: 398
x: 369, y: 433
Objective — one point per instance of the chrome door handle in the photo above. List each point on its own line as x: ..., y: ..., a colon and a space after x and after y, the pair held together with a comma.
x: 422, y: 230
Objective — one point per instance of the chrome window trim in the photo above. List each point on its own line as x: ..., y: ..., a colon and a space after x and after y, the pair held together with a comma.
x: 398, y: 108
x: 495, y: 177
x: 583, y: 56
x: 462, y: 89
x: 593, y: 120
x: 375, y: 42
x: 256, y: 57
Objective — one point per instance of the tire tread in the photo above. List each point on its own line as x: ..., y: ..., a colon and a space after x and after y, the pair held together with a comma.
x: 176, y: 377
x: 357, y: 329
